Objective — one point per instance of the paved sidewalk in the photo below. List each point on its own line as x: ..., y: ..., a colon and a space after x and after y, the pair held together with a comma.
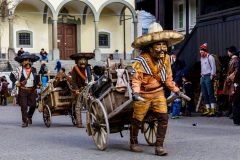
x: 212, y: 139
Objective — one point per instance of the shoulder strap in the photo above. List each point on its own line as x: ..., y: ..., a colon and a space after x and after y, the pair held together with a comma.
x: 23, y: 82
x: 209, y: 61
x: 79, y: 73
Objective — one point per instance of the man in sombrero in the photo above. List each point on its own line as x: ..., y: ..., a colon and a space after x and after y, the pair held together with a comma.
x: 81, y: 76
x: 26, y: 80
x: 151, y: 71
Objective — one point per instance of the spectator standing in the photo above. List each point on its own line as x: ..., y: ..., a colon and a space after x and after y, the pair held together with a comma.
x: 176, y: 106
x: 58, y: 66
x: 4, y: 91
x: 43, y: 55
x: 62, y: 70
x: 228, y: 87
x: 187, y: 90
x: 208, y: 71
x: 43, y: 70
x: 20, y: 52
x: 236, y: 100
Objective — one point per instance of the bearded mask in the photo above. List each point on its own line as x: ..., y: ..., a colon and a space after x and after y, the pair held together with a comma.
x: 26, y: 63
x: 158, y: 50
x: 82, y: 62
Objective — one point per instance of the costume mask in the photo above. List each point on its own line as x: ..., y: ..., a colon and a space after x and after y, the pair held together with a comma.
x: 158, y: 50
x: 26, y: 63
x: 82, y: 62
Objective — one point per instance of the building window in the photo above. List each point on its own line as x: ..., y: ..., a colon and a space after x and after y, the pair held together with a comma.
x: 24, y: 39
x: 104, y: 40
x: 180, y: 13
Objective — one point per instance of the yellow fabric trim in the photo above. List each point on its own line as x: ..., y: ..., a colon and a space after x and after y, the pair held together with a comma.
x: 168, y: 65
x: 137, y: 66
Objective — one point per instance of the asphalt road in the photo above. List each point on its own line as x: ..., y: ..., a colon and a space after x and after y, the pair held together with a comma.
x: 212, y: 139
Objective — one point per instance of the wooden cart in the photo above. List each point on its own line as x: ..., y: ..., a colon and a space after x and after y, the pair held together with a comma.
x: 57, y: 99
x: 109, y: 111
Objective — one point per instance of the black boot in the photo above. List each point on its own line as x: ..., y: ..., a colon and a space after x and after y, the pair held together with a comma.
x: 161, y: 132
x: 134, y: 126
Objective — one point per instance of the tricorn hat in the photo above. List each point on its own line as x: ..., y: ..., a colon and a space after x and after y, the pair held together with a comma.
x: 27, y: 55
x: 157, y: 34
x: 82, y: 55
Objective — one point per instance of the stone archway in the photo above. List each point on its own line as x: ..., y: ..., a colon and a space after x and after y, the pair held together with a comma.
x: 129, y: 6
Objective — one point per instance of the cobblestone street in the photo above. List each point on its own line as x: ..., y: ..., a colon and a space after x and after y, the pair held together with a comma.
x: 213, y: 138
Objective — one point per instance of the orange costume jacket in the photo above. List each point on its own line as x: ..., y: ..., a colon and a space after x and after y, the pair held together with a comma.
x: 149, y: 76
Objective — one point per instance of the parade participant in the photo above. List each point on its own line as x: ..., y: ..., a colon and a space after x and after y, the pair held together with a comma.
x: 208, y: 71
x: 26, y: 80
x: 152, y: 70
x: 81, y: 75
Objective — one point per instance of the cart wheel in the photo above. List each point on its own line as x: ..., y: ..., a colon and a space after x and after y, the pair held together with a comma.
x: 73, y: 114
x: 99, y: 124
x: 47, y: 115
x: 149, y: 129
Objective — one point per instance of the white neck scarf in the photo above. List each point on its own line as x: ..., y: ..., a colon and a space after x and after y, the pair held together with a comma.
x: 30, y: 79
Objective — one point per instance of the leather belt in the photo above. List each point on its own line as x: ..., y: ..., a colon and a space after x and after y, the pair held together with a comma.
x: 206, y: 74
x: 149, y: 89
x: 27, y: 88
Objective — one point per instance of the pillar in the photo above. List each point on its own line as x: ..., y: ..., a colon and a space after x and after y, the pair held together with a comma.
x: 10, y: 20
x: 97, y: 51
x: 55, y: 43
x: 135, y: 51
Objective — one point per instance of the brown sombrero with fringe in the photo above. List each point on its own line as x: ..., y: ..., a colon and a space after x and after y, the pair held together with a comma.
x: 82, y: 55
x: 157, y: 34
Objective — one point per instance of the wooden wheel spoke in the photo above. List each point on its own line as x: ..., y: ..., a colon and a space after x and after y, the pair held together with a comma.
x: 149, y: 134
x: 93, y: 116
x: 94, y: 110
x: 103, y: 138
x: 103, y: 130
x: 99, y: 138
x: 152, y: 129
x: 103, y: 125
x: 147, y: 128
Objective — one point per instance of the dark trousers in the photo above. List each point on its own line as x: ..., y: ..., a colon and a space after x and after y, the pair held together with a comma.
x: 27, y: 97
x: 207, y: 89
x: 3, y: 101
x: 236, y: 112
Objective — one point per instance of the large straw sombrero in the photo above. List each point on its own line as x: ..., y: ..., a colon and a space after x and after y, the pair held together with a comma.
x: 82, y: 55
x: 157, y: 34
x: 27, y: 55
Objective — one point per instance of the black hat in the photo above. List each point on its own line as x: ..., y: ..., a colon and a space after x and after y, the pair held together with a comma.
x: 27, y: 55
x: 82, y: 55
x: 232, y: 49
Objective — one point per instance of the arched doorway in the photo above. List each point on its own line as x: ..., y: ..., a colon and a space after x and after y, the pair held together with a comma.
x: 67, y: 33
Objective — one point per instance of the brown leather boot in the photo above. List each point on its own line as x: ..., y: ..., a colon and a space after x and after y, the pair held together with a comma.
x: 134, y: 126
x: 80, y: 125
x: 29, y: 120
x: 161, y: 131
x: 160, y: 151
x: 135, y: 148
x: 25, y: 124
